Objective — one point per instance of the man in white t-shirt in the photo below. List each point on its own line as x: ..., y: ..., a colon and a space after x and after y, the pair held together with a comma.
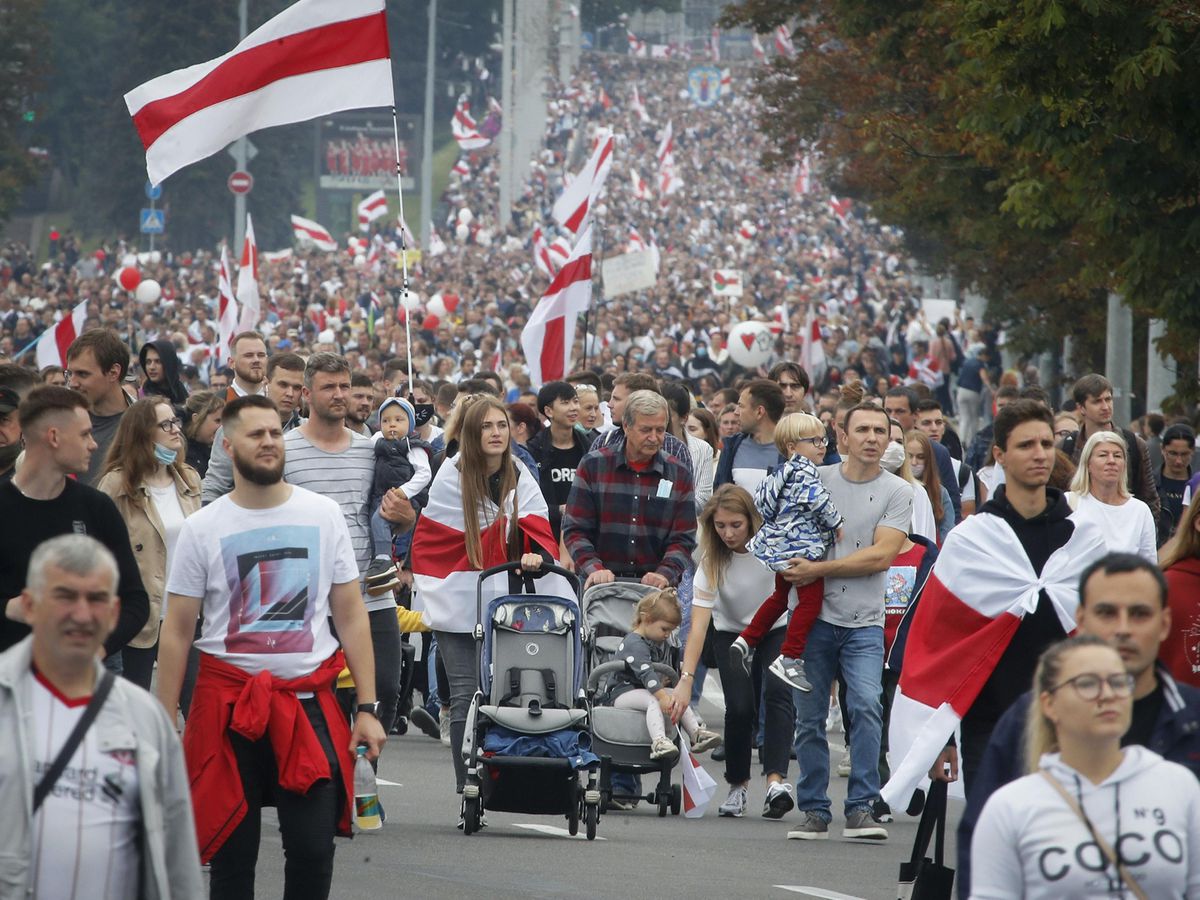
x: 269, y: 564
x: 117, y: 820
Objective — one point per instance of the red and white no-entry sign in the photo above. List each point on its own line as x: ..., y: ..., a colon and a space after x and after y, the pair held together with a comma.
x: 240, y: 182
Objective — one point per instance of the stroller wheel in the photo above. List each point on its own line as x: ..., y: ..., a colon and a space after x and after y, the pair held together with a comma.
x: 676, y: 799
x: 471, y: 809
x: 573, y: 817
x: 591, y: 815
x: 664, y: 803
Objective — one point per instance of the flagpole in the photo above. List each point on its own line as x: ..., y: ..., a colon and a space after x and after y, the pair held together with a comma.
x: 403, y: 251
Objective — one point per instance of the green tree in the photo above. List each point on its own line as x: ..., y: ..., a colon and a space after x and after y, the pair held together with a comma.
x: 24, y: 32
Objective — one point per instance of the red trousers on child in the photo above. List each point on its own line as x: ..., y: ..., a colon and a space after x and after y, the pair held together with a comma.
x: 808, y: 607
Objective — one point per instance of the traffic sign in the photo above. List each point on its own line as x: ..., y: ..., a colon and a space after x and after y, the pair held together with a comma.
x: 240, y: 182
x: 154, y: 221
x: 153, y: 191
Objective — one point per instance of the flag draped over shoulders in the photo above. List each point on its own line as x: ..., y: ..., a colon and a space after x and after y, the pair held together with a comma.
x: 980, y: 588
x: 443, y: 576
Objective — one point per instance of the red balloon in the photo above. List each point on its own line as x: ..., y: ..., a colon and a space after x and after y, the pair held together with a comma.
x: 129, y: 278
x: 430, y: 323
x: 450, y: 301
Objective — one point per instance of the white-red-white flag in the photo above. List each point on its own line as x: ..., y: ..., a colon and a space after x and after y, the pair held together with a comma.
x: 783, y: 42
x: 666, y: 145
x: 549, y: 335
x: 310, y: 232
x: 636, y: 47
x: 641, y: 190
x: 247, y: 283
x: 461, y: 168
x: 52, y: 345
x: 560, y: 252
x: 605, y: 100
x: 227, y: 311
x: 756, y: 45
x: 840, y: 208
x: 803, y: 176
x: 572, y: 207
x: 274, y: 256
x: 638, y: 107
x: 541, y: 252
x: 370, y: 209
x: 698, y: 786
x: 714, y: 45
x: 980, y: 589
x: 812, y: 349
x: 726, y: 82
x: 463, y: 127
x: 315, y: 58
x: 636, y: 243
x: 661, y: 51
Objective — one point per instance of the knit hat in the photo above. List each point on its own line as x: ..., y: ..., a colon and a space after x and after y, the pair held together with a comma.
x: 404, y: 405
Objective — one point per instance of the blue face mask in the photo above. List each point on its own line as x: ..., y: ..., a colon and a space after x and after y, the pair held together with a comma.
x: 165, y: 455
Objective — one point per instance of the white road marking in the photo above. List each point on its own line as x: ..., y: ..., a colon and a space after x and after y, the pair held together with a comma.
x: 554, y: 831
x: 379, y: 780
x: 816, y: 892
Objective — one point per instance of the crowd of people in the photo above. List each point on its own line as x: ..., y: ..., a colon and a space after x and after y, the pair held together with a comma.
x: 900, y: 540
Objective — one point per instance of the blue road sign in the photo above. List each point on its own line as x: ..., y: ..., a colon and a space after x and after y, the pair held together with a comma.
x: 153, y: 192
x: 154, y: 221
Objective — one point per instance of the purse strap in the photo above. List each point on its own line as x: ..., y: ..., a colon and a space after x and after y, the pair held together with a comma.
x: 1100, y: 842
x: 74, y: 739
x: 932, y: 825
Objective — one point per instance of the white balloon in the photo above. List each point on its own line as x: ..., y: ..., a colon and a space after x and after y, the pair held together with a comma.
x: 462, y: 232
x: 155, y: 257
x: 411, y: 302
x: 148, y: 291
x: 750, y: 344
x: 129, y: 261
x: 436, y: 306
x: 465, y: 216
x: 359, y: 261
x: 483, y: 237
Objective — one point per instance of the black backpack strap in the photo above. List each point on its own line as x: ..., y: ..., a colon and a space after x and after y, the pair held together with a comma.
x: 74, y: 739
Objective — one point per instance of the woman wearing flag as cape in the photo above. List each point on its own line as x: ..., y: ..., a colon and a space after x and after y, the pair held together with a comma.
x: 485, y: 509
x: 1004, y: 587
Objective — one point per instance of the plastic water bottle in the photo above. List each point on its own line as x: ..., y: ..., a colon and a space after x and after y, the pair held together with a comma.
x: 366, y: 794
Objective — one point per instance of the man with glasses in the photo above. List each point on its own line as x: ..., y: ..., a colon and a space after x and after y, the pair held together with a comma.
x: 1122, y: 600
x: 1178, y: 445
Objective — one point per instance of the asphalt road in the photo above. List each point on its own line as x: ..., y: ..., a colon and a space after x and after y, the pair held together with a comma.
x: 420, y: 853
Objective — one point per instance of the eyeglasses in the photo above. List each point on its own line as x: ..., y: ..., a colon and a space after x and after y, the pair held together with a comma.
x: 1089, y: 686
x: 171, y: 425
x: 1064, y: 433
x: 815, y: 441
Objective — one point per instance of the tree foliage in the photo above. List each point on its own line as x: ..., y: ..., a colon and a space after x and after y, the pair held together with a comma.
x: 1045, y: 151
x: 23, y: 28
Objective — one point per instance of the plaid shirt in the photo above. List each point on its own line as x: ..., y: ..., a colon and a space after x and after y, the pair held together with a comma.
x: 614, y: 518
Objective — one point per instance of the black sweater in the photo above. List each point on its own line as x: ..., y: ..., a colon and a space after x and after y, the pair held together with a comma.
x: 79, y: 509
x: 1040, y: 537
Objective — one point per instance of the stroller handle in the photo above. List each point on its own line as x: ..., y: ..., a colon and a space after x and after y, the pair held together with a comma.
x: 619, y: 665
x: 546, y: 569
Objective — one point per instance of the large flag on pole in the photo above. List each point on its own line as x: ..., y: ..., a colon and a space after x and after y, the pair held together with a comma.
x: 550, y: 333
x: 314, y: 58
x: 227, y: 312
x: 370, y: 209
x: 247, y: 283
x: 541, y: 252
x: 52, y: 345
x: 309, y: 232
x: 980, y: 589
x: 572, y: 207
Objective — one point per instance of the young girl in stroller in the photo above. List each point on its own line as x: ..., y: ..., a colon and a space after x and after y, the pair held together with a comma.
x: 640, y: 685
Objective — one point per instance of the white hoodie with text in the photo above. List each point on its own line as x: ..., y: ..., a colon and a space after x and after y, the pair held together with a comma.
x: 1030, y: 845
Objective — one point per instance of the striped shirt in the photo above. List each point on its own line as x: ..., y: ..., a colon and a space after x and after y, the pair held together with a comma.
x: 346, y: 478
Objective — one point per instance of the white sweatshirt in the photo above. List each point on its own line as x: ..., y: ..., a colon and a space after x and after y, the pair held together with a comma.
x: 1029, y: 845
x: 1128, y: 528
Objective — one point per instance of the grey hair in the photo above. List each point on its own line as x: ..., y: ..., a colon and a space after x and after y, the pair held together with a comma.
x: 1081, y: 484
x: 74, y: 553
x: 644, y: 403
x: 329, y: 363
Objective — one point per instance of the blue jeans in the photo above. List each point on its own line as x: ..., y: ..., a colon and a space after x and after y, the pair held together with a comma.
x: 858, y: 654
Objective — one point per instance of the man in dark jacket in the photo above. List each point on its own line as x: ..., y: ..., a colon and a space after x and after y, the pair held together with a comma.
x: 160, y: 365
x: 751, y: 455
x: 559, y: 448
x: 1123, y: 600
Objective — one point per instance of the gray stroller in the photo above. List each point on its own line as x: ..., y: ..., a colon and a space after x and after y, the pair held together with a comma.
x: 619, y: 736
x: 528, y: 737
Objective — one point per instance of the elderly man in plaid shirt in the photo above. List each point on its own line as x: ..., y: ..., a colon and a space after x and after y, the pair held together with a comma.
x: 631, y: 505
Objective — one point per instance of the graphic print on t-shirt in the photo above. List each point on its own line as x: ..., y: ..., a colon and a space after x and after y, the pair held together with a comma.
x: 272, y: 573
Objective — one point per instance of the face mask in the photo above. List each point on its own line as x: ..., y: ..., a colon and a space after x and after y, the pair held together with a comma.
x: 424, y: 412
x: 165, y: 455
x: 9, y: 454
x: 702, y: 351
x: 918, y: 469
x: 892, y: 458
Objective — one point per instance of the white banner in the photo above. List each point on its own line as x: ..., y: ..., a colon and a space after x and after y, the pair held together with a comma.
x: 628, y: 272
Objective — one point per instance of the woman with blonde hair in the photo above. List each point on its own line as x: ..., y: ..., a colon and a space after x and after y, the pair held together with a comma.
x: 1100, y: 494
x: 1092, y: 819
x: 923, y: 466
x: 729, y: 586
x: 154, y: 490
x: 485, y: 509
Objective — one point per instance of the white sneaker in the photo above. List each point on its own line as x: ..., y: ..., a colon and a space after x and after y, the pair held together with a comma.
x: 843, y: 766
x: 444, y: 725
x: 734, y: 806
x: 705, y: 740
x: 780, y: 800
x: 833, y: 721
x: 663, y: 748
